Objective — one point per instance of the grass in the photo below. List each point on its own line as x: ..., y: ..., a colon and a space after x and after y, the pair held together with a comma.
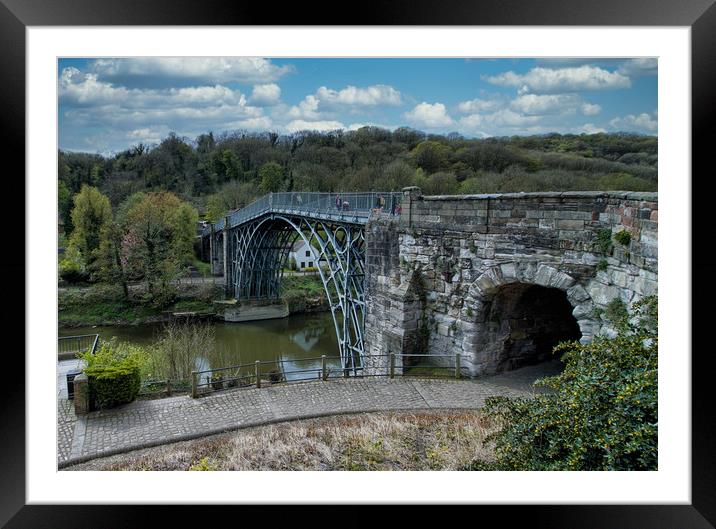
x: 429, y: 440
x: 203, y: 268
x: 106, y: 305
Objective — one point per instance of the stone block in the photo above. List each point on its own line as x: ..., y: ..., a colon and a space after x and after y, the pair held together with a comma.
x: 81, y: 394
x: 570, y: 224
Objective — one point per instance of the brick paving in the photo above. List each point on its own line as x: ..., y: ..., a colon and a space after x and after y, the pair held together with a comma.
x: 150, y: 422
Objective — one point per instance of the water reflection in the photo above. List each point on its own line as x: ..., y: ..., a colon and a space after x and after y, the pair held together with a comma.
x: 288, y: 342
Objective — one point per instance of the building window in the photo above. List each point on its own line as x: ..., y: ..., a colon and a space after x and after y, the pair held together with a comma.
x: 310, y: 264
x: 303, y: 264
x: 308, y: 254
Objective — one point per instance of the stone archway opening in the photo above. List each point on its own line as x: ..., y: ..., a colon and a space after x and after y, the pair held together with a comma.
x: 524, y: 322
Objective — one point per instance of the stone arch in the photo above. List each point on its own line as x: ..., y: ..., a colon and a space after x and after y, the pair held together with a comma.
x: 545, y: 284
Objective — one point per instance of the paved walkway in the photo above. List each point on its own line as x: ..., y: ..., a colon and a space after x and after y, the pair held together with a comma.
x: 146, y: 423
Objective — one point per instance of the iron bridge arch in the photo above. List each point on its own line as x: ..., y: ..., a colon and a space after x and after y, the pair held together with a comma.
x: 255, y: 244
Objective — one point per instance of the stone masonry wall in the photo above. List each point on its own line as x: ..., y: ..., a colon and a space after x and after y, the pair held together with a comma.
x: 439, y: 279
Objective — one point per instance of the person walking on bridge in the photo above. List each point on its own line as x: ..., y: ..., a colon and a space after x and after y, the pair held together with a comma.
x: 339, y: 202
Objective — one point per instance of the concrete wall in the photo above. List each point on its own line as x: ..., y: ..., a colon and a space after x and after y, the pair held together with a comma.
x: 437, y: 278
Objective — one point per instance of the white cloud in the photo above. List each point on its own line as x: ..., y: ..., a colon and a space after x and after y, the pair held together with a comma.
x: 550, y: 80
x: 590, y: 128
x: 534, y: 105
x: 266, y: 94
x: 429, y: 116
x: 306, y: 109
x: 589, y: 109
x: 326, y: 101
x: 299, y: 124
x: 370, y: 96
x: 475, y: 106
x: 199, y: 69
x: 640, y: 123
x: 638, y: 67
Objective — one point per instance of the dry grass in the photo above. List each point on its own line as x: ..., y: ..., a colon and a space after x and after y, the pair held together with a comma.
x: 434, y: 440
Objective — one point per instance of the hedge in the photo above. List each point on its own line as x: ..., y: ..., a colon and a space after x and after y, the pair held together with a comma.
x: 112, y: 386
x: 114, y: 373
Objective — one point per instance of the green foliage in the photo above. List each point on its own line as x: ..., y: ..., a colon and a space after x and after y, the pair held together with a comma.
x: 204, y: 465
x: 271, y: 178
x: 225, y: 171
x: 602, y: 265
x: 604, y: 241
x: 158, y: 237
x: 90, y: 215
x: 114, y: 373
x: 616, y: 311
x: 623, y: 237
x: 72, y: 267
x: 602, y: 413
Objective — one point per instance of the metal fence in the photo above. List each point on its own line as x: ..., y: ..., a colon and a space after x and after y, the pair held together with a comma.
x: 71, y: 346
x: 321, y: 368
x: 355, y: 207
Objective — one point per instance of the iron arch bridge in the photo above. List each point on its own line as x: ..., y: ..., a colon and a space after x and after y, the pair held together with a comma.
x: 252, y: 246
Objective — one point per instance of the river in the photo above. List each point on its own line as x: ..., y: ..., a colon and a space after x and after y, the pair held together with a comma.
x: 293, y: 340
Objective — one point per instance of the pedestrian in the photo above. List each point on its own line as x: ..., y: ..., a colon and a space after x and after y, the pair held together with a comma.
x: 338, y: 202
x: 392, y: 205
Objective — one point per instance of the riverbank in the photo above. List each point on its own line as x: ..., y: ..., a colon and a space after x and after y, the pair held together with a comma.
x: 105, y: 305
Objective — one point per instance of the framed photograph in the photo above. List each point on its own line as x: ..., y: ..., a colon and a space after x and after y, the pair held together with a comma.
x: 95, y: 54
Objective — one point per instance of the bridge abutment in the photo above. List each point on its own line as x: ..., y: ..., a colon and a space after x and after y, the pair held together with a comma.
x: 502, y: 278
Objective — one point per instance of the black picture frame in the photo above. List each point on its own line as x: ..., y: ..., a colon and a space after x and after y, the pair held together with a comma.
x: 699, y: 15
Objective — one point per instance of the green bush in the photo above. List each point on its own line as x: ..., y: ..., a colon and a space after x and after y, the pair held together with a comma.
x: 602, y: 414
x: 114, y: 373
x: 72, y: 268
x: 623, y: 237
x: 616, y: 310
x: 604, y: 241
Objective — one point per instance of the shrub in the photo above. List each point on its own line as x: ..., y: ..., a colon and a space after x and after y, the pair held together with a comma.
x: 295, y: 300
x: 603, y: 412
x: 72, y: 268
x: 616, y: 310
x: 602, y: 265
x: 604, y: 241
x: 623, y: 237
x: 114, y: 373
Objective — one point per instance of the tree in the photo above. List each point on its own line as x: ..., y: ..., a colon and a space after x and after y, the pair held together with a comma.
x: 64, y: 205
x: 602, y: 413
x: 232, y: 195
x: 91, y: 213
x: 158, y: 240
x: 271, y: 176
x: 431, y: 156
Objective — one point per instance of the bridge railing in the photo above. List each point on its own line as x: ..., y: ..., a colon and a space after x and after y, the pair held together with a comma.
x: 322, y: 368
x: 360, y: 205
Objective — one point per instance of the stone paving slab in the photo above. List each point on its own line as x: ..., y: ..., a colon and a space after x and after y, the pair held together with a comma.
x: 152, y: 422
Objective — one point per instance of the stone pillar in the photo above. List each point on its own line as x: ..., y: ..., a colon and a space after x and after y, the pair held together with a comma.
x: 410, y: 195
x: 82, y: 397
x: 217, y: 260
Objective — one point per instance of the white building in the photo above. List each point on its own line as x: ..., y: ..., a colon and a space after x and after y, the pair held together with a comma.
x: 305, y: 255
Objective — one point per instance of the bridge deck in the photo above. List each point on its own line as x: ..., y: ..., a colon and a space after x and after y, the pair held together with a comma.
x: 348, y: 208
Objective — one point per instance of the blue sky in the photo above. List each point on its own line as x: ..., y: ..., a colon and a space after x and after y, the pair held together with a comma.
x: 107, y: 105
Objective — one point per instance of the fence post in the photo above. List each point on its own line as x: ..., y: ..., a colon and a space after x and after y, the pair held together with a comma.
x: 392, y: 365
x: 457, y: 365
x: 193, y: 385
x: 169, y: 388
x: 258, y: 373
x: 324, y: 371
